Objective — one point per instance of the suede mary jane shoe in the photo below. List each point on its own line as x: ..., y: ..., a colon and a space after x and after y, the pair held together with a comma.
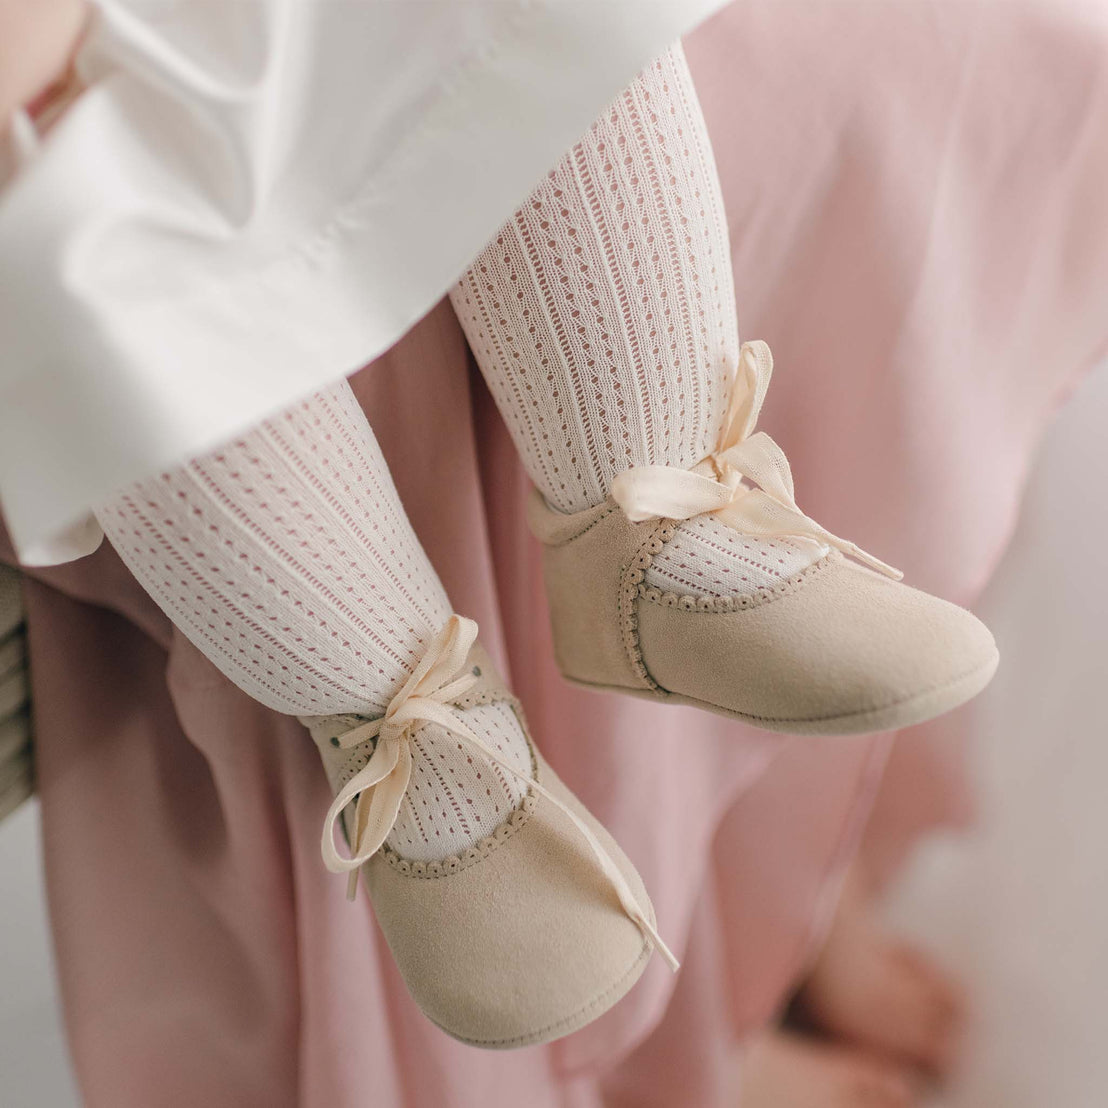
x: 763, y: 615
x: 530, y: 933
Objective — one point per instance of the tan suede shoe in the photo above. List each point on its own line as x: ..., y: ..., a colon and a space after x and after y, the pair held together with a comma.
x: 837, y: 648
x: 529, y: 935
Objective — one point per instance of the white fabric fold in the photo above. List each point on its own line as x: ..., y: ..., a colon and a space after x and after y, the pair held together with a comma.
x: 718, y: 484
x: 250, y: 201
x: 380, y: 785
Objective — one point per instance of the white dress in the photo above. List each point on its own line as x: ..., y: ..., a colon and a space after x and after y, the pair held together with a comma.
x: 253, y: 198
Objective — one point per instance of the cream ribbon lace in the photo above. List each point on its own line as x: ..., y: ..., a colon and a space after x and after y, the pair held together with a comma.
x: 716, y: 484
x: 380, y: 785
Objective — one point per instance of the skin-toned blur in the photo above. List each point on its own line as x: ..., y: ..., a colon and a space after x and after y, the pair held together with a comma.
x: 37, y: 39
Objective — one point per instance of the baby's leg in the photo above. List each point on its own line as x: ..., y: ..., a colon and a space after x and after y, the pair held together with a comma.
x: 287, y: 558
x: 603, y: 312
x: 602, y: 316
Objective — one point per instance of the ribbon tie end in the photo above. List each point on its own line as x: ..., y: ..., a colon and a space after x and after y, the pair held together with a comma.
x: 765, y: 507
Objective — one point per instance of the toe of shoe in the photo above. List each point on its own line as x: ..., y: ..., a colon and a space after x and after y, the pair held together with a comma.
x: 892, y: 655
x: 521, y: 943
x: 846, y: 651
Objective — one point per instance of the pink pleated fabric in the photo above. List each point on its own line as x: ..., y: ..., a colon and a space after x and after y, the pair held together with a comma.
x: 919, y: 221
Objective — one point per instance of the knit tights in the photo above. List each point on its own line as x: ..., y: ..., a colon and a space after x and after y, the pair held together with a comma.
x: 602, y: 314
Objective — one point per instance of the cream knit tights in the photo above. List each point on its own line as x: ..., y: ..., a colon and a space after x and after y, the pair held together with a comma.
x: 602, y: 315
x: 286, y: 557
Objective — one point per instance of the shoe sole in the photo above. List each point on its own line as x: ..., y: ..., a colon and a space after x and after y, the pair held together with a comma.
x: 917, y: 708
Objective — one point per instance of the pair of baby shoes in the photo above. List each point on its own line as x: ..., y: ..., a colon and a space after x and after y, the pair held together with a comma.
x: 705, y: 587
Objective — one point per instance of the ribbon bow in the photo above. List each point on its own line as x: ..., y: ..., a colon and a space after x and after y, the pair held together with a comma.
x: 716, y: 483
x: 380, y: 785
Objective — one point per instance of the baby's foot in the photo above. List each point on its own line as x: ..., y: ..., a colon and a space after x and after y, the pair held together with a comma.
x: 783, y: 1070
x: 513, y: 916
x: 883, y: 994
x: 710, y: 587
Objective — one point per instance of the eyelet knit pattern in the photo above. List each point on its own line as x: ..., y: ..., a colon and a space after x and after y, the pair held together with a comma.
x: 456, y: 798
x: 478, y: 852
x: 602, y: 313
x: 708, y: 558
x: 287, y: 559
x: 635, y: 587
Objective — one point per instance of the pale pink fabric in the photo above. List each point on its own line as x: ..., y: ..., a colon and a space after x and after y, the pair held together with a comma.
x: 919, y: 221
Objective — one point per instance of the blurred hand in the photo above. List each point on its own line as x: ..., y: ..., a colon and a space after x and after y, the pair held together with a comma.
x: 37, y: 40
